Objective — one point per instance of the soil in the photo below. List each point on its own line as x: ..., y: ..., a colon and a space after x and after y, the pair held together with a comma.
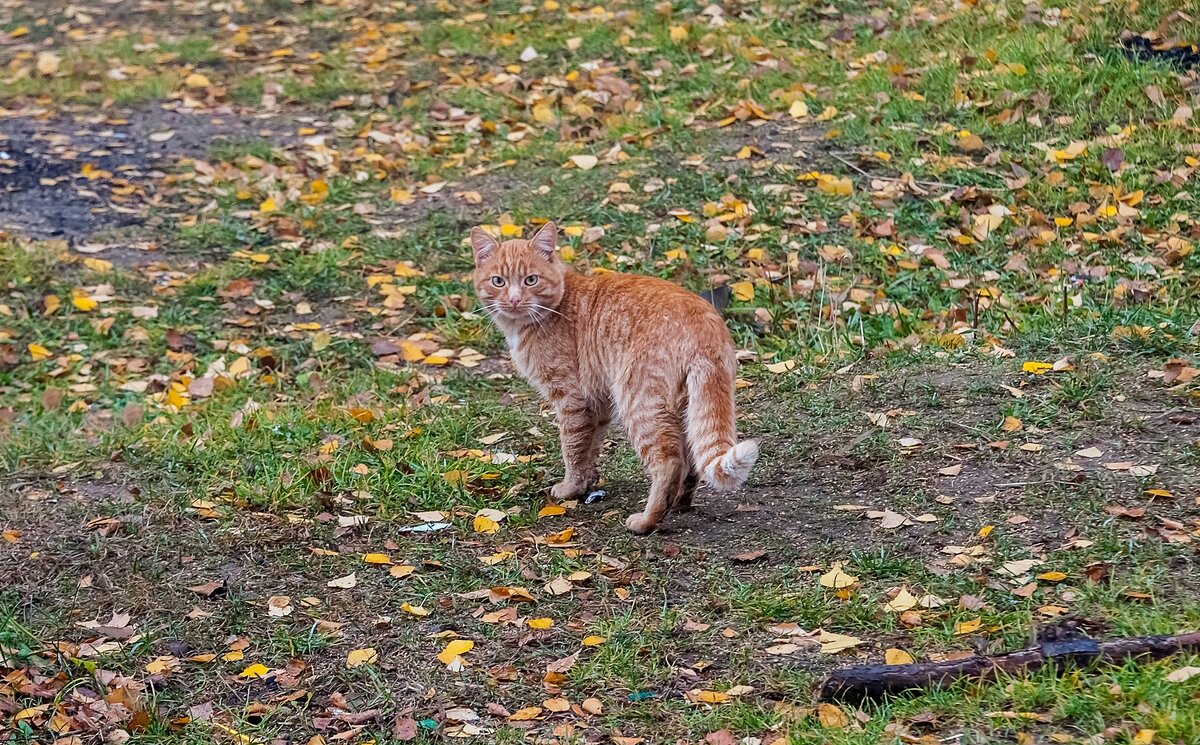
x: 44, y: 192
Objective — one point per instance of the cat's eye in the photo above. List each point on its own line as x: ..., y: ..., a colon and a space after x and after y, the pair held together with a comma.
x: 497, y: 281
x: 531, y: 280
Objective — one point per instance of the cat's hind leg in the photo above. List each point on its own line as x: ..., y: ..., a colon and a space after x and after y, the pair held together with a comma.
x: 687, y: 490
x: 657, y: 436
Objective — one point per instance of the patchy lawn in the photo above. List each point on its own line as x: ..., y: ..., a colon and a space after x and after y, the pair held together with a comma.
x: 268, y: 475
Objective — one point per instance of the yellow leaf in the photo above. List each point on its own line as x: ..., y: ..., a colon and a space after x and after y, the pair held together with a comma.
x: 968, y: 627
x: 1144, y: 737
x: 84, y: 303
x: 414, y: 610
x: 1052, y: 576
x: 798, y: 110
x: 97, y: 265
x: 377, y: 559
x: 176, y: 397
x: 831, y: 716
x: 552, y: 510
x: 410, y: 352
x: 233, y: 655
x: 743, y: 291
x: 710, y: 697
x: 455, y: 649
x: 51, y: 303
x: 540, y: 623
x: 1037, y: 368
x: 986, y: 530
x: 678, y: 33
x: 832, y: 643
x: 1012, y: 424
x: 38, y: 352
x: 161, y: 665
x: 400, y: 571
x: 836, y: 579
x: 495, y: 558
x: 435, y: 359
x: 321, y: 340
x: 831, y: 184
x: 196, y: 80
x: 485, y: 524
x: 593, y: 641
x: 895, y: 656
x: 524, y: 715
x: 257, y: 670
x: 268, y: 205
x: 366, y: 656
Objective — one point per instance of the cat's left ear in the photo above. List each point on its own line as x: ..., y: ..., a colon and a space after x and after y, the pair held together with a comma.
x: 545, y: 239
x: 482, y: 244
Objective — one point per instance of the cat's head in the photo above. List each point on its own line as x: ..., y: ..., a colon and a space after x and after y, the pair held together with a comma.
x: 518, y: 280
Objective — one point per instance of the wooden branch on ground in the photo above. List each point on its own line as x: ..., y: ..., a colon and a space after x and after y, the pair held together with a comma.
x: 874, y: 681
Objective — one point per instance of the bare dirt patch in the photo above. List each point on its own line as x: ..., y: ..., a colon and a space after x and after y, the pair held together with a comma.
x: 68, y: 177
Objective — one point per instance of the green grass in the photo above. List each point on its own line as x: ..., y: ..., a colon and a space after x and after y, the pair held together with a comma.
x: 130, y: 489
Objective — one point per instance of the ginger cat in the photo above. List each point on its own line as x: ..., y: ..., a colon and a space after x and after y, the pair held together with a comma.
x: 642, y: 349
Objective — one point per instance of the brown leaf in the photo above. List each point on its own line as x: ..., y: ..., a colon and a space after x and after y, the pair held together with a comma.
x: 1112, y: 158
x: 132, y: 415
x: 208, y: 589
x: 720, y: 737
x: 52, y: 398
x: 404, y: 729
x: 747, y: 556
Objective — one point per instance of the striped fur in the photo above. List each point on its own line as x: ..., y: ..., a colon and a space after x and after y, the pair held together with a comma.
x: 638, y: 349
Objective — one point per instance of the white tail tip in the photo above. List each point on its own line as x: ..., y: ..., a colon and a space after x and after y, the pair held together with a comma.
x: 733, y: 468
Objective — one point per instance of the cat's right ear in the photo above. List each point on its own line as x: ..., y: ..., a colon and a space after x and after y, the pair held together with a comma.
x: 482, y: 244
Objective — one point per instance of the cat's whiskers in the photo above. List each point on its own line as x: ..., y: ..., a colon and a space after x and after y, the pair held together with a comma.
x: 491, y: 311
x: 548, y: 308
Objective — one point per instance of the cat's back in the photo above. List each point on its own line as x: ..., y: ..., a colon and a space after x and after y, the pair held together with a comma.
x: 620, y: 307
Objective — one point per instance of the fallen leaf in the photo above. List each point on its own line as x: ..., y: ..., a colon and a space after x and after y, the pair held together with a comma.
x: 831, y: 716
x: 359, y: 657
x: 836, y: 579
x: 832, y: 643
x: 208, y: 589
x: 903, y: 601
x: 968, y: 627
x: 404, y: 729
x: 279, y: 606
x: 584, y: 162
x: 454, y: 650
x: 343, y: 583
x: 893, y: 656
x: 1183, y: 674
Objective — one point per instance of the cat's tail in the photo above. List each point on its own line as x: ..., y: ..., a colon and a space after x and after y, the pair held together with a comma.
x: 720, y: 460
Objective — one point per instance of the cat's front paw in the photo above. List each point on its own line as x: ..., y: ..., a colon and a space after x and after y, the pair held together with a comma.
x: 568, y: 489
x: 639, y: 523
